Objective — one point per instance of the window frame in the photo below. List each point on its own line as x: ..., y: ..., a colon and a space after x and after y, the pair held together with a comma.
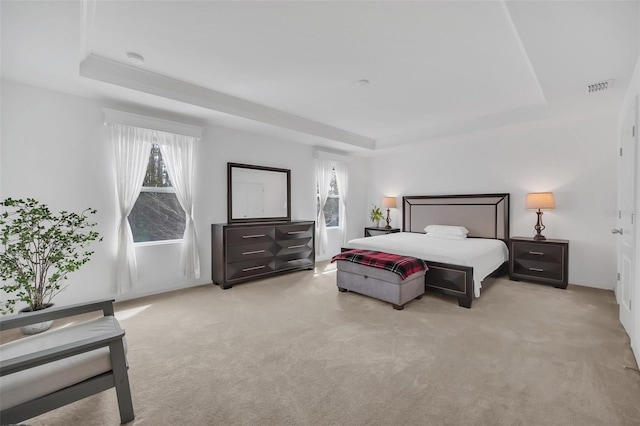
x: 163, y: 190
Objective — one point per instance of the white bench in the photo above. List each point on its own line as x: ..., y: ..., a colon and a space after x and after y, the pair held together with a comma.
x: 46, y: 371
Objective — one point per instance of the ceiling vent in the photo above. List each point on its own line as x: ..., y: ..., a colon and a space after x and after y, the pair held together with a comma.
x: 599, y: 86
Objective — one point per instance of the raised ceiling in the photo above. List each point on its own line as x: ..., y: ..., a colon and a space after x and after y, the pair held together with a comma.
x: 289, y: 69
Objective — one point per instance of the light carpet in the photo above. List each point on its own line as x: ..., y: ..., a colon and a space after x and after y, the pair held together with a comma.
x: 292, y: 350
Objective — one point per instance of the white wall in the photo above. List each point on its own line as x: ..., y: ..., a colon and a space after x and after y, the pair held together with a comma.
x: 54, y: 149
x: 577, y: 161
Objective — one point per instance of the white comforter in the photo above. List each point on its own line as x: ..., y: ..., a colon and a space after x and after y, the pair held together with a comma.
x: 484, y: 255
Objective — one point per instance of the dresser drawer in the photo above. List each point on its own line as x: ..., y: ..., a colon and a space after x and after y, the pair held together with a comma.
x: 244, y: 252
x: 294, y: 246
x: 250, y: 268
x: 295, y: 231
x: 295, y: 260
x: 252, y: 235
x: 538, y: 252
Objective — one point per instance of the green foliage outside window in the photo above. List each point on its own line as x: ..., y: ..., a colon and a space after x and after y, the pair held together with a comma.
x: 157, y: 175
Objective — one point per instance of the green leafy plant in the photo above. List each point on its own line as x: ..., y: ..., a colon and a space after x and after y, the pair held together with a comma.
x: 39, y: 250
x: 376, y: 214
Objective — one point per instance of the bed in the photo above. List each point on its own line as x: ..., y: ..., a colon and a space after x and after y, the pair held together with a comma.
x: 456, y: 267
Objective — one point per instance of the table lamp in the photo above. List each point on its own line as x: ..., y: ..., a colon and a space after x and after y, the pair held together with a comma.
x: 540, y: 201
x: 388, y: 203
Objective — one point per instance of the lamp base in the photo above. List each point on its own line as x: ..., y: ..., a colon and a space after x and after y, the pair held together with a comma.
x: 539, y: 228
x: 388, y: 221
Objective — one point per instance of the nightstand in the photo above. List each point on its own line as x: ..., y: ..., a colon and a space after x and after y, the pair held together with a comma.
x: 373, y: 231
x: 543, y: 261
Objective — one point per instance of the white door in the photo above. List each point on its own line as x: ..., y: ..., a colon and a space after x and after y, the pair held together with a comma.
x: 627, y: 218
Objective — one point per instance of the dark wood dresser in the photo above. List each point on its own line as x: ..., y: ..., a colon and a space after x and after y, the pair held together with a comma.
x: 248, y: 251
x: 543, y: 261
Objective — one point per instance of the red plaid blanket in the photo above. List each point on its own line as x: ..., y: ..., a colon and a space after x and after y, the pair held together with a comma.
x: 401, y: 265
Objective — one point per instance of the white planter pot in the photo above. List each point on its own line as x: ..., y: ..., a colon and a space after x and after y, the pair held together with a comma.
x: 38, y: 327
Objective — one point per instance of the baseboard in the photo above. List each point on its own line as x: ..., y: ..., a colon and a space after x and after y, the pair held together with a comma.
x: 130, y: 296
x: 600, y: 286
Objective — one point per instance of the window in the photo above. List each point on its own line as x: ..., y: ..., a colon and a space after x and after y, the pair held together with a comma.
x: 157, y: 214
x: 332, y: 207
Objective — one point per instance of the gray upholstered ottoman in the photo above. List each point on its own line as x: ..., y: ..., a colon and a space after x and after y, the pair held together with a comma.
x: 380, y: 283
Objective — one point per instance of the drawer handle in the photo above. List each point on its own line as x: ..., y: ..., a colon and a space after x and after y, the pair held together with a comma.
x: 536, y: 269
x: 296, y: 232
x: 253, y: 236
x: 539, y: 253
x: 254, y: 252
x: 298, y: 246
x: 252, y: 269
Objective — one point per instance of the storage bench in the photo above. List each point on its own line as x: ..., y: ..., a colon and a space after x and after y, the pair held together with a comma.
x: 379, y: 283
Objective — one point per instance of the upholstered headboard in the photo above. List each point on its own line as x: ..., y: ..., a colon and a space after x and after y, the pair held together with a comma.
x: 484, y: 215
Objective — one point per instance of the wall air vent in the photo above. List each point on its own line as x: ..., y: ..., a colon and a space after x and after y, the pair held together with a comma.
x: 599, y: 86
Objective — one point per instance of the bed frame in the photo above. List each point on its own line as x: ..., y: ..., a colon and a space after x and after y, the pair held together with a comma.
x: 484, y: 215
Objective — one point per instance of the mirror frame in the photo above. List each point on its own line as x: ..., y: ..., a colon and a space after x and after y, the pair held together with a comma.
x: 230, y: 219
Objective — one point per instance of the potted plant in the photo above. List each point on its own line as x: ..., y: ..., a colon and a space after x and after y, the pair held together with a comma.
x: 376, y: 215
x: 39, y: 250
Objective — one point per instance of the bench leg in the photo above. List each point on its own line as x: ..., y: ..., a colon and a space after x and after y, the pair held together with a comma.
x: 398, y: 307
x: 121, y: 379
x: 342, y: 290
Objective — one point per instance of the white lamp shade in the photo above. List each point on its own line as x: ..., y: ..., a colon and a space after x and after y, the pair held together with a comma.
x: 389, y: 203
x: 541, y: 201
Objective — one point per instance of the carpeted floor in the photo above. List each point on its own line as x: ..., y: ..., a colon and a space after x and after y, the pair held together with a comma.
x: 293, y: 350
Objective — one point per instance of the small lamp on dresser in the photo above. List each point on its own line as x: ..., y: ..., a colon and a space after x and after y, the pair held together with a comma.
x: 388, y: 203
x: 540, y: 201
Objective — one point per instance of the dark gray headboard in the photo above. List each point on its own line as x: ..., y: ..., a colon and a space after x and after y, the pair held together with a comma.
x: 484, y: 215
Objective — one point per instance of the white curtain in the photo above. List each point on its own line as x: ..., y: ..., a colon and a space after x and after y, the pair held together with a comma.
x: 323, y: 172
x: 342, y: 179
x: 177, y: 152
x: 132, y: 147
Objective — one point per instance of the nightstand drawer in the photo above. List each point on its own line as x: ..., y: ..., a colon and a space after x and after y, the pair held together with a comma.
x: 535, y: 269
x: 371, y: 231
x: 538, y: 252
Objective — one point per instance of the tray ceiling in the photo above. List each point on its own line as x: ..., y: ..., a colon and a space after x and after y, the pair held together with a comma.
x: 289, y: 69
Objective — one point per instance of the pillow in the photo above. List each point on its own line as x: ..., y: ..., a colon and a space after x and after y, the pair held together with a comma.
x: 445, y: 236
x: 446, y: 229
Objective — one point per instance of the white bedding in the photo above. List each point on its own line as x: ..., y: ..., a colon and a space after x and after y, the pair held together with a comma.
x: 484, y: 255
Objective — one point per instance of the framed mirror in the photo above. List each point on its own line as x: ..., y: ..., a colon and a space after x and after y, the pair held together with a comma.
x: 257, y: 193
